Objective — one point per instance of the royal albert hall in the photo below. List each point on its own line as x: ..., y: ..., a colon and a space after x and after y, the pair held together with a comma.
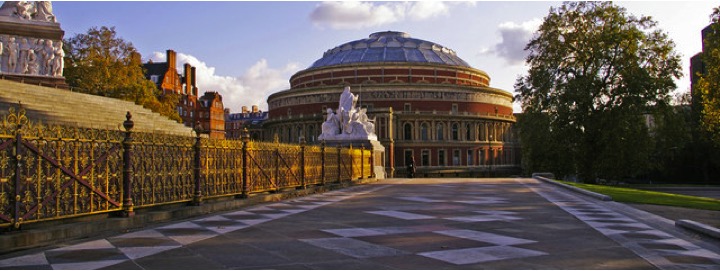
x: 427, y: 103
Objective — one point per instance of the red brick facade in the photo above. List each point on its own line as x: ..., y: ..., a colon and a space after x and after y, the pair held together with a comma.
x: 212, y: 114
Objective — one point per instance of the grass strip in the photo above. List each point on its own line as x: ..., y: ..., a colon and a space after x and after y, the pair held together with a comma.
x: 630, y: 195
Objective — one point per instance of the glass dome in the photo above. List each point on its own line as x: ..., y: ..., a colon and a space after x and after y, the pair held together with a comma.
x: 389, y: 46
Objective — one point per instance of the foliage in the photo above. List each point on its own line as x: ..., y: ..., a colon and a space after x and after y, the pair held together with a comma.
x: 709, y: 83
x: 631, y: 195
x: 597, y: 73
x: 100, y: 63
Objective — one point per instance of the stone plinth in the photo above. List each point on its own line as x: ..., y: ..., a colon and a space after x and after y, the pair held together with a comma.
x: 31, y: 47
x: 28, y: 28
x: 378, y: 152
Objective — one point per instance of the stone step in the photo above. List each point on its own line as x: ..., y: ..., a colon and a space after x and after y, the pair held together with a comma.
x: 60, y: 106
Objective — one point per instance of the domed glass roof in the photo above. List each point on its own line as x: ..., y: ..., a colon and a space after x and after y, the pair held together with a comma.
x: 389, y: 46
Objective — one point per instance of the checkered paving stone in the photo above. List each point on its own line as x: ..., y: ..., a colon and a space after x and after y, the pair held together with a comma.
x: 103, y: 253
x: 473, y: 246
x: 467, y: 246
x: 657, y: 247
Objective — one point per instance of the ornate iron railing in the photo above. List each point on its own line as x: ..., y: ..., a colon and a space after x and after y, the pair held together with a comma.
x: 51, y: 172
x: 55, y: 172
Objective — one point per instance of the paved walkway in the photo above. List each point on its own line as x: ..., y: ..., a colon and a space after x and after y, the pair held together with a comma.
x: 401, y: 224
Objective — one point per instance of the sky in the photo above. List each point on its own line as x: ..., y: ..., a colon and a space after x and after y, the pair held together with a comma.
x: 249, y: 50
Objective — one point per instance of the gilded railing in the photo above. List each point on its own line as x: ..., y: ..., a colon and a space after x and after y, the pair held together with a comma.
x: 313, y: 165
x: 54, y: 172
x: 221, y: 167
x: 162, y: 169
x: 51, y: 172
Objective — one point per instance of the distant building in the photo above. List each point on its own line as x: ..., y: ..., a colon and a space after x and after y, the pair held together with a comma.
x: 168, y: 80
x: 253, y: 120
x: 211, y: 114
x: 428, y: 105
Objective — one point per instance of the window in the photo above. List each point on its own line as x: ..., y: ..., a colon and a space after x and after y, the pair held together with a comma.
x: 481, y: 131
x: 456, y: 157
x: 455, y: 134
x: 425, y: 157
x: 154, y: 78
x: 468, y: 133
x: 407, y: 131
x: 440, y: 132
x: 441, y: 158
x: 424, y: 132
x: 454, y: 108
x: 469, y: 157
x: 481, y: 157
x: 407, y: 107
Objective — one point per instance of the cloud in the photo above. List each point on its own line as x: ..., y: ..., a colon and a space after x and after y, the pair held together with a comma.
x: 250, y: 88
x: 514, y: 38
x: 358, y: 15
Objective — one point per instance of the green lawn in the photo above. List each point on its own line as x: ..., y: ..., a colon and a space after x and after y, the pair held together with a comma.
x: 630, y: 195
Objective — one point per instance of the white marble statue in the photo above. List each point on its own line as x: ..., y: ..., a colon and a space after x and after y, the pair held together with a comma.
x: 37, y: 11
x: 57, y: 67
x: 24, y: 9
x: 330, y: 126
x: 2, y: 52
x: 22, y: 61
x: 348, y: 122
x: 32, y: 63
x: 43, y: 11
x: 11, y: 52
x: 48, y: 54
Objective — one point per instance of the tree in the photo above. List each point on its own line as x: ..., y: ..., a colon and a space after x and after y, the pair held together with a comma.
x: 707, y: 98
x: 709, y: 83
x: 101, y: 63
x: 596, y: 72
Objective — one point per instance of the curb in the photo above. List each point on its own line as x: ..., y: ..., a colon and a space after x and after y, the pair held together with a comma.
x: 698, y: 227
x: 575, y: 189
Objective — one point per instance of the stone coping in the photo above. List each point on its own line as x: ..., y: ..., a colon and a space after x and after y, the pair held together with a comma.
x: 575, y: 189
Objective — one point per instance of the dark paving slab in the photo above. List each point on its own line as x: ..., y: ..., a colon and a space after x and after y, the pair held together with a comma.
x: 402, y: 224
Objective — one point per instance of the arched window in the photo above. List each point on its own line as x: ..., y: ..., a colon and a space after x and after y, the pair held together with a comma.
x: 481, y: 131
x: 468, y: 133
x: 440, y: 131
x: 407, y: 131
x: 424, y: 132
x: 455, y: 132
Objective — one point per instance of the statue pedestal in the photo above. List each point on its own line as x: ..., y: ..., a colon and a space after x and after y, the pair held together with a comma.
x: 378, y: 152
x: 31, y: 31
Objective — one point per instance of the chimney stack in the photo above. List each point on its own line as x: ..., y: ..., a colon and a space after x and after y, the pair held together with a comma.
x: 171, y: 58
x: 188, y: 78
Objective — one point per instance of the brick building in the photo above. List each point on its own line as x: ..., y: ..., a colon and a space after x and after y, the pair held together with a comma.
x: 211, y: 114
x: 190, y: 108
x: 235, y: 123
x: 427, y: 103
x: 168, y: 80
